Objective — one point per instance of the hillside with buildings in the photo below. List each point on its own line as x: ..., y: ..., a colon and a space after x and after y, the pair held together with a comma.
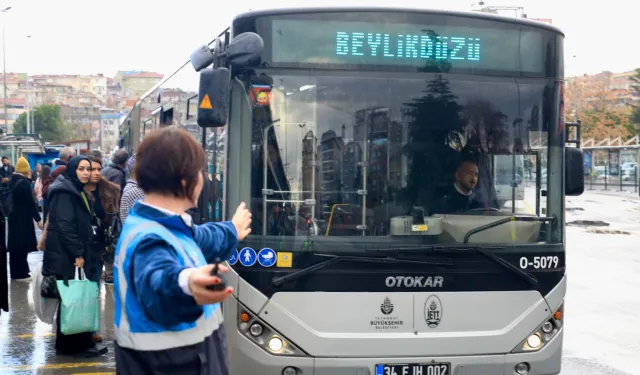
x: 91, y: 105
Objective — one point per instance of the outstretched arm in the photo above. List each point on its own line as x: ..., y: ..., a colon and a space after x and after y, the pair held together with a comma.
x: 218, y: 240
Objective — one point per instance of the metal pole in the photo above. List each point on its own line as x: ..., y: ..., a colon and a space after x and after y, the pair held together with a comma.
x: 313, y: 176
x: 365, y: 146
x: 28, y: 105
x: 513, y: 184
x: 265, y: 155
x: 4, y: 76
x: 538, y: 181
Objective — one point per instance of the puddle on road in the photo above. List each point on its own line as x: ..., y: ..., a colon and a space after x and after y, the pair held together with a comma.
x: 573, y: 209
x: 607, y: 231
x: 631, y: 201
x: 596, y: 227
x: 588, y: 223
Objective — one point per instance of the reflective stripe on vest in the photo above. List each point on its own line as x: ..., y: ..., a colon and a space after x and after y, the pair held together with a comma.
x: 158, y: 340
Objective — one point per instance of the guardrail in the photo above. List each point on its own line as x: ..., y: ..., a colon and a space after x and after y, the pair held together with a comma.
x: 621, y: 181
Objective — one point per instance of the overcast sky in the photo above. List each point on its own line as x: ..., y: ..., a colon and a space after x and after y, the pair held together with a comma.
x: 80, y: 36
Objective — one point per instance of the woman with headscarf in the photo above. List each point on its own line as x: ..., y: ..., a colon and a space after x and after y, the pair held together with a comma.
x: 68, y: 240
x: 22, y: 233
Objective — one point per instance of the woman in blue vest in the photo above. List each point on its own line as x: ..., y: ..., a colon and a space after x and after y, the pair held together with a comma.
x: 166, y: 319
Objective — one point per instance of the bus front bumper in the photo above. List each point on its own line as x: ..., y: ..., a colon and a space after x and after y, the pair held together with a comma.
x: 247, y: 358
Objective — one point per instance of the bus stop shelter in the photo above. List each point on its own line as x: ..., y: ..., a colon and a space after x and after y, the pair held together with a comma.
x: 14, y: 146
x: 612, y: 163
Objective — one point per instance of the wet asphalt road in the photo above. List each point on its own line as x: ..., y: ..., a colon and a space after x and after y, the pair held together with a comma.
x: 602, y: 307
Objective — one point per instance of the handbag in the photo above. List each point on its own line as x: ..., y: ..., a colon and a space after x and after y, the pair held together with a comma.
x: 111, y: 237
x: 49, y: 287
x: 79, y: 310
x: 45, y: 307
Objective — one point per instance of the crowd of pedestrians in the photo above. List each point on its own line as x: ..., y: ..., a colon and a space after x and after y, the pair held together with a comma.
x: 127, y: 224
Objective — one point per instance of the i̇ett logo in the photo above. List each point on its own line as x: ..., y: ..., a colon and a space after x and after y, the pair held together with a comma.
x: 433, y: 311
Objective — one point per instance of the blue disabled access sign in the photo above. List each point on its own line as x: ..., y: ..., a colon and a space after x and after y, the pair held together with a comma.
x: 234, y: 258
x: 248, y: 257
x: 267, y: 257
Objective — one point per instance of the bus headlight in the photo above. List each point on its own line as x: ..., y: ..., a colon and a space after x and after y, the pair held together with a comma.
x: 275, y: 344
x: 534, y: 341
x: 543, y: 334
x: 256, y: 330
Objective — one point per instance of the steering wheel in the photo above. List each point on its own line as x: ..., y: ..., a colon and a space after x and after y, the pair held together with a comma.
x: 482, y: 209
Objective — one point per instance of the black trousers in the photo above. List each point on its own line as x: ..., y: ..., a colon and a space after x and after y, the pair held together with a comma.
x: 18, y: 265
x: 72, y: 344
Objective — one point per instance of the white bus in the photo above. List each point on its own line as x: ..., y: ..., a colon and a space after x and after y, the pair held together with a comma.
x: 352, y: 121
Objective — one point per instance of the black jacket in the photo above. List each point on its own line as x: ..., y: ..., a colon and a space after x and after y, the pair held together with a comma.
x: 454, y: 202
x: 115, y: 174
x: 69, y: 233
x: 22, y: 233
x: 6, y: 174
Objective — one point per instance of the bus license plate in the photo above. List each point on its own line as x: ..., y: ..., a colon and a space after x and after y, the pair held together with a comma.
x: 414, y: 369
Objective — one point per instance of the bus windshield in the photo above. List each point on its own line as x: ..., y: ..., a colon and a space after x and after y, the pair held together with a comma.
x: 366, y: 155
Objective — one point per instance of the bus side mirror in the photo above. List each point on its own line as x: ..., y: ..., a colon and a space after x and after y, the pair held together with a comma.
x: 244, y: 50
x: 201, y: 58
x: 213, y: 97
x: 574, y: 171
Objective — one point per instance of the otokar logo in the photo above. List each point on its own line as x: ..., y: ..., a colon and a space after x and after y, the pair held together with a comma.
x: 433, y: 311
x: 387, y: 306
x: 414, y: 282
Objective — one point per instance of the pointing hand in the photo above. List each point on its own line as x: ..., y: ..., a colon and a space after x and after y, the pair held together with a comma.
x: 242, y: 221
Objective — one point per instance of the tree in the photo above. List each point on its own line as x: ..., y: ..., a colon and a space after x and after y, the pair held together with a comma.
x: 634, y: 116
x: 47, y: 122
x: 587, y: 93
x: 435, y: 125
x: 600, y: 124
x: 591, y: 100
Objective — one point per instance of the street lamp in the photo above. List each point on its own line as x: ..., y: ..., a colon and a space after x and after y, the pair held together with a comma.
x: 30, y: 128
x: 4, y: 74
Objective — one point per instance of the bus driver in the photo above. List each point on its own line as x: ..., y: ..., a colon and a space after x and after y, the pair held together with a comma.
x: 459, y: 197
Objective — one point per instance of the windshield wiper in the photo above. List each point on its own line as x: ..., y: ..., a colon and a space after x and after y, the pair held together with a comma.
x: 278, y: 281
x: 526, y: 277
x: 485, y: 251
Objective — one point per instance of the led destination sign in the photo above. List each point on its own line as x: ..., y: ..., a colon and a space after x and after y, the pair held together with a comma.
x: 407, y: 46
x: 463, y: 45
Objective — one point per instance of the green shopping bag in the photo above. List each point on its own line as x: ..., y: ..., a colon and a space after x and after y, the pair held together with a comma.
x: 79, y: 310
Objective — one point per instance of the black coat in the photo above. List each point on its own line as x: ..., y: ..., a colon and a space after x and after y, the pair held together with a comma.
x: 115, y: 174
x: 4, y: 276
x: 6, y: 174
x: 69, y: 232
x: 22, y: 232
